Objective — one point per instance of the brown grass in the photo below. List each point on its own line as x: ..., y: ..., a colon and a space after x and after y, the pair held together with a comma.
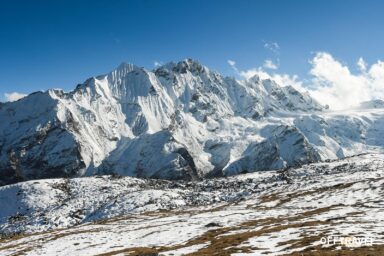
x: 375, y: 250
x: 284, y: 198
x: 219, y: 242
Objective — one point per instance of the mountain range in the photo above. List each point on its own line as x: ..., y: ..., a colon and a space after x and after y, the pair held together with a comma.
x: 180, y: 121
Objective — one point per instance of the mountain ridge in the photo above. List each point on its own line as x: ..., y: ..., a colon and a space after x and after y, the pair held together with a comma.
x: 178, y: 121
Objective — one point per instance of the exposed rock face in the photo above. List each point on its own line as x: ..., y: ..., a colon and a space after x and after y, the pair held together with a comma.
x: 287, y: 147
x: 34, y: 144
x: 180, y: 121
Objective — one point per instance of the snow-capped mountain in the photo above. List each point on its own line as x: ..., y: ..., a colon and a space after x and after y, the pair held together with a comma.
x: 179, y: 121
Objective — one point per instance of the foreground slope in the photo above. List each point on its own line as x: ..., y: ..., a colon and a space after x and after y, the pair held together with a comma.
x: 272, y: 212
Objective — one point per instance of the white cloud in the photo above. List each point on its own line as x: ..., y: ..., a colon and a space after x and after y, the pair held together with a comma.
x: 247, y: 74
x: 331, y: 82
x: 281, y: 79
x: 14, y: 96
x: 268, y: 63
x: 362, y: 64
x: 157, y: 63
x: 272, y: 46
x: 232, y: 63
x: 335, y: 85
x: 292, y: 80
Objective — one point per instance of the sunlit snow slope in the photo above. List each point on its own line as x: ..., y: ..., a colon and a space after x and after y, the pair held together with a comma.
x: 179, y: 121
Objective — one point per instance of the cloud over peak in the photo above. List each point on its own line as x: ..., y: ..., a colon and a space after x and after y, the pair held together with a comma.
x: 330, y: 81
x: 334, y: 84
x: 14, y: 96
x: 269, y: 64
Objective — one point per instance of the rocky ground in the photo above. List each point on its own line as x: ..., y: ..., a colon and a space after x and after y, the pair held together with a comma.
x: 331, y: 208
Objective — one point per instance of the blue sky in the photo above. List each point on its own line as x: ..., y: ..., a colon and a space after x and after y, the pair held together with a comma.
x: 45, y: 44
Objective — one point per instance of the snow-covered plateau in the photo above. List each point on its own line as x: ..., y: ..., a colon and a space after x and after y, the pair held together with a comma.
x: 181, y: 160
x: 286, y: 212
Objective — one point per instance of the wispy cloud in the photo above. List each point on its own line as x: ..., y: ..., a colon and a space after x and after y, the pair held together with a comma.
x: 272, y: 46
x: 269, y: 64
x: 362, y: 64
x: 232, y: 63
x: 14, y: 96
x: 281, y: 79
x: 157, y: 63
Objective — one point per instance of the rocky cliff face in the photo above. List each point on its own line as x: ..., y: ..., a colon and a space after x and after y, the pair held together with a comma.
x: 179, y: 121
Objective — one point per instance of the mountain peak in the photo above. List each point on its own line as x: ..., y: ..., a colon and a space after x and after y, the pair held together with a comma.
x: 121, y: 71
x: 185, y: 65
x: 191, y: 61
x: 125, y: 66
x: 255, y: 78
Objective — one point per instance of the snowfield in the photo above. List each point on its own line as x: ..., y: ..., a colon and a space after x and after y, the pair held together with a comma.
x: 263, y: 213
